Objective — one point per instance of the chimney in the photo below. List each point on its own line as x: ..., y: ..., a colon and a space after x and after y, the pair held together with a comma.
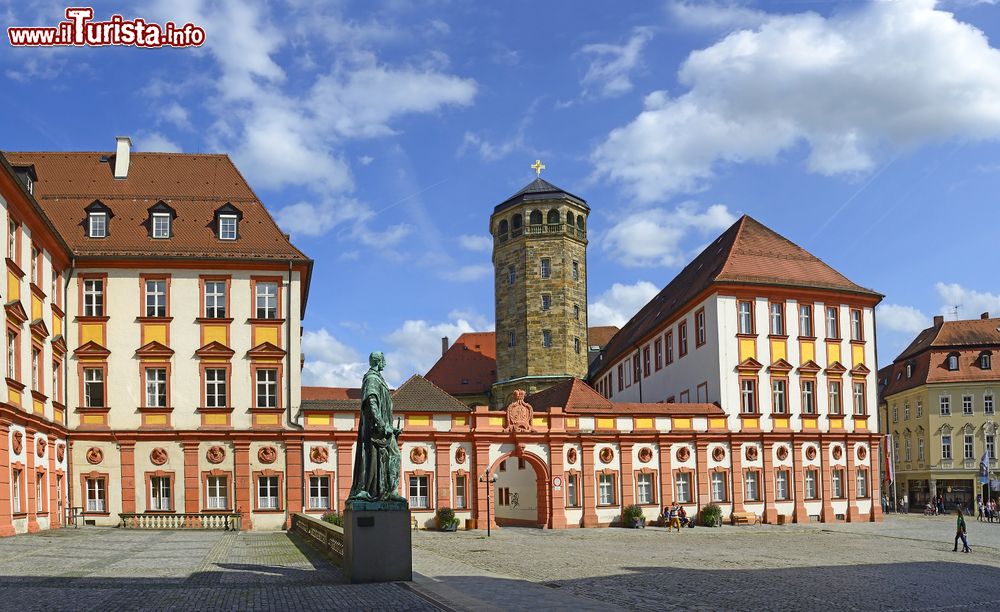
x: 938, y: 320
x: 444, y: 345
x: 122, y: 151
x: 985, y: 315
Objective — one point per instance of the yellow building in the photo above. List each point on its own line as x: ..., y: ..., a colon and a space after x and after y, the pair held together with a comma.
x: 939, y: 400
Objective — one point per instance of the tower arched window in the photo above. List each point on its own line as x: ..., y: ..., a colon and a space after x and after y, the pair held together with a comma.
x: 503, y: 227
x: 579, y: 222
x: 535, y: 218
x: 569, y: 218
x: 516, y: 224
x: 553, y: 217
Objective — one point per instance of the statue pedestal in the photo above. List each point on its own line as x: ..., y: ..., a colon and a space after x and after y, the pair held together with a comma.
x: 377, y: 546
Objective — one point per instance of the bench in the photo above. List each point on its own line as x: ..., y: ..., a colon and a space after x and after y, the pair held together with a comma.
x: 745, y: 518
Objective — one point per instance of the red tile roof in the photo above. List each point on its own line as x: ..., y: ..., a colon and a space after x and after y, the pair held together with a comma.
x: 746, y: 253
x: 575, y: 396
x: 468, y: 367
x: 194, y: 185
x: 600, y: 335
x: 330, y: 393
x: 415, y: 395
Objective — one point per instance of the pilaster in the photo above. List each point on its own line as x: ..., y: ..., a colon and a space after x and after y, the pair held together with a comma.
x: 6, y: 518
x: 241, y: 467
x: 769, y: 484
x: 29, y: 482
x: 875, y: 482
x: 826, y: 469
x: 126, y: 450
x: 588, y: 486
x: 557, y: 518
x: 799, y: 476
x: 192, y: 480
x: 701, y: 465
x: 345, y: 474
x: 666, y: 476
x: 853, y: 516
x: 293, y: 478
x: 627, y: 477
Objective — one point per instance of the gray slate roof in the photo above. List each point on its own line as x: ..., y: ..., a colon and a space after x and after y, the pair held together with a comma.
x: 539, y: 190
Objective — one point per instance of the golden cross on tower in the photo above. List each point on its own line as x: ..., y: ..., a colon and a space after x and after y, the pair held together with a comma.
x: 538, y: 166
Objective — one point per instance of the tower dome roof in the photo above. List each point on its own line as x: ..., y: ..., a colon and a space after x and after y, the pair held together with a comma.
x: 540, y: 190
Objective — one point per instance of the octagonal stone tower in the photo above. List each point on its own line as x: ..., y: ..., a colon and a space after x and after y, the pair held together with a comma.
x: 540, y: 282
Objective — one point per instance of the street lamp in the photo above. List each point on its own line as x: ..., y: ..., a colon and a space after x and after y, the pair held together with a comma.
x: 486, y: 478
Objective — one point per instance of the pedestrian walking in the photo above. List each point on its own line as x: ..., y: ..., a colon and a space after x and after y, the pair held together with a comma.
x: 675, y: 520
x: 960, y: 533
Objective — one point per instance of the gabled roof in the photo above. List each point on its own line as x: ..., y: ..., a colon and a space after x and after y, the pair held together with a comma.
x: 91, y: 349
x: 746, y: 253
x: 154, y: 349
x: 331, y: 393
x: 266, y: 349
x: 600, y: 335
x: 415, y: 395
x: 539, y: 190
x: 215, y: 349
x: 575, y: 396
x: 955, y: 334
x: 468, y: 367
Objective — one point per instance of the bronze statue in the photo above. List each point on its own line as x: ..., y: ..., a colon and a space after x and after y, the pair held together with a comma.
x: 377, y: 457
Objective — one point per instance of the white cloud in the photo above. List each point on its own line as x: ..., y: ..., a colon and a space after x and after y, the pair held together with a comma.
x: 619, y: 303
x: 365, y: 160
x: 467, y: 274
x: 475, y: 243
x: 177, y: 115
x: 489, y: 150
x: 155, y: 142
x: 714, y: 15
x: 899, y: 318
x: 886, y: 75
x: 971, y: 303
x: 330, y: 362
x: 416, y: 344
x: 610, y: 70
x: 655, y: 237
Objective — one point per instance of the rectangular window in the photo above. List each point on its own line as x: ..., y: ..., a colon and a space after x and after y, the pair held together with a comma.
x: 669, y: 341
x: 460, y: 492
x: 34, y: 267
x: 779, y: 401
x: 96, y: 495
x: 748, y: 396
x: 159, y: 493
x: 966, y: 404
x: 862, y: 481
x: 806, y: 320
x: 319, y: 492
x: 658, y: 353
x: 682, y: 339
x: 746, y: 317
x: 576, y: 270
x: 267, y: 388
x: 12, y: 240
x: 645, y: 361
x: 227, y: 227
x: 546, y: 301
x: 700, y: 333
x: 39, y: 490
x: 511, y: 339
x: 57, y: 381
x: 837, y: 480
x: 511, y: 275
x: 920, y: 449
x: 991, y: 446
x: 218, y: 492
x: 906, y: 449
x: 906, y: 411
x: 572, y: 491
x: 215, y: 388
x: 946, y: 447
x: 777, y: 317
x: 267, y: 300
x: 546, y: 267
x: 156, y: 298
x: 945, y: 405
x: 576, y: 312
x: 808, y: 397
x: 267, y: 492
x: 12, y: 350
x: 836, y: 406
x: 718, y: 481
x: 546, y: 338
x: 832, y: 322
x: 920, y: 408
x: 98, y: 225
x: 161, y: 225
x: 682, y: 484
x: 156, y: 387
x: 857, y: 332
x: 812, y: 484
x: 93, y: 297
x: 621, y: 376
x: 636, y: 372
x: 418, y: 492
x: 93, y: 388
x: 860, y: 407
x: 751, y: 492
x: 987, y: 403
x: 215, y: 299
x: 35, y: 373
x: 644, y: 488
x: 576, y: 345
x: 15, y: 500
x: 969, y: 447
x: 781, y: 485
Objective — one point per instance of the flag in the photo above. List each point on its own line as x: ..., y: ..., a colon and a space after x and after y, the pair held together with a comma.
x: 887, y: 474
x: 984, y: 468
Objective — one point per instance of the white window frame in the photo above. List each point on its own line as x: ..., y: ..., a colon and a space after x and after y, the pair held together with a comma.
x: 779, y: 395
x: 419, y: 492
x: 835, y: 397
x: 748, y: 396
x: 266, y: 388
x: 920, y: 449
x: 15, y: 499
x: 96, y: 495
x: 12, y: 348
x: 751, y: 486
x: 991, y: 445
x: 745, y: 317
x: 91, y: 377
x: 266, y: 302
x: 857, y: 329
x: 944, y: 403
x: 93, y: 297
x: 161, y: 225
x: 155, y: 297
x: 860, y: 405
x: 969, y: 446
x: 837, y: 484
x: 989, y: 405
x: 216, y: 392
x: 224, y: 223
x: 218, y: 492
x: 808, y: 396
x: 966, y: 404
x: 571, y: 491
x: 811, y: 485
x: 718, y: 483
x: 215, y: 299
x: 832, y: 322
x: 781, y: 485
x: 97, y: 225
x: 682, y: 487
x: 606, y: 489
x: 777, y: 318
x: 267, y: 492
x: 319, y: 492
x: 805, y: 321
x: 461, y: 492
x: 861, y: 482
x: 644, y: 488
x: 946, y: 446
x: 159, y: 493
x: 156, y: 387
x: 40, y: 492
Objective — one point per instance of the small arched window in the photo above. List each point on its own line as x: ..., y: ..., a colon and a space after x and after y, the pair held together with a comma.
x: 569, y: 219
x: 953, y: 361
x: 503, y: 227
x: 553, y: 217
x: 535, y: 218
x: 579, y: 222
x: 516, y: 221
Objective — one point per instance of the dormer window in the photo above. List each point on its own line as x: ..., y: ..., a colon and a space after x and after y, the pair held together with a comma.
x: 161, y: 221
x: 98, y: 219
x: 227, y: 222
x: 909, y: 370
x: 953, y: 362
x: 27, y: 176
x: 986, y: 360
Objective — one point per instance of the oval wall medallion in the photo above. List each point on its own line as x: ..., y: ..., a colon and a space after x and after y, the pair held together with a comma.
x: 215, y: 454
x: 718, y: 453
x: 60, y: 452
x: 267, y: 454
x: 319, y: 454
x: 158, y: 456
x: 862, y: 453
x: 606, y: 454
x: 40, y: 444
x: 837, y: 452
x: 810, y: 452
x: 645, y: 454
x: 418, y: 455
x: 17, y: 442
x: 683, y: 453
x: 94, y: 455
x: 751, y: 453
x: 782, y: 453
x: 460, y: 455
x: 571, y: 456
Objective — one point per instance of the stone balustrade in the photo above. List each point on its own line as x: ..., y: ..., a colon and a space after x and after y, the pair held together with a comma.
x: 324, y: 537
x: 181, y: 520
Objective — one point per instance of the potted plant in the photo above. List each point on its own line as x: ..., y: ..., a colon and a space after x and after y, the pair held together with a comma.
x: 711, y: 516
x: 633, y: 518
x: 333, y: 518
x: 446, y: 519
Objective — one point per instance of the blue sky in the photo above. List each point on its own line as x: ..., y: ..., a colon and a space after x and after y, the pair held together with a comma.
x: 381, y: 134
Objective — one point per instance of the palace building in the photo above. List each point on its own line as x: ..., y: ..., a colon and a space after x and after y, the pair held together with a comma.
x: 939, y: 396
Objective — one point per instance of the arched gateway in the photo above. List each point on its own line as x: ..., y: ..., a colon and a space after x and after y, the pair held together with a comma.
x: 520, y: 494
